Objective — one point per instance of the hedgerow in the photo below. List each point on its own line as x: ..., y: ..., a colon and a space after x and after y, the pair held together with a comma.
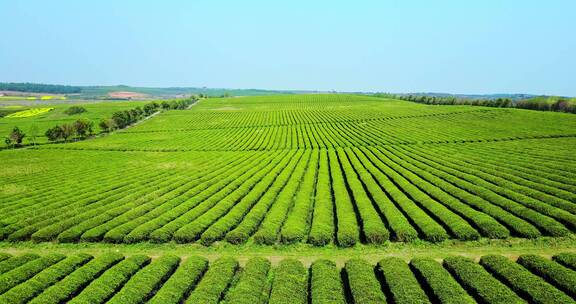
x: 567, y: 259
x: 530, y: 286
x: 215, y: 282
x: 479, y: 283
x: 443, y: 287
x: 20, y: 274
x: 322, y: 230
x: 561, y: 277
x: 68, y: 287
x: 179, y: 285
x: 280, y: 205
x: 347, y: 231
x: 141, y: 286
x: 104, y: 287
x: 364, y: 286
x: 373, y: 228
x: 290, y: 285
x: 251, y: 286
x: 325, y: 283
x: 16, y: 261
x: 32, y: 287
x: 400, y: 281
x: 297, y: 223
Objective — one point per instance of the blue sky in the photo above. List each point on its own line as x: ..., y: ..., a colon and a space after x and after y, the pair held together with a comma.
x: 393, y: 46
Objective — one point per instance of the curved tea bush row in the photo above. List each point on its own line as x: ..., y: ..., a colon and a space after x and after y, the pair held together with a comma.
x: 401, y: 282
x: 179, y: 285
x: 71, y: 285
x: 104, y: 287
x: 530, y: 286
x: 554, y: 273
x: 480, y: 283
x: 20, y: 274
x: 215, y: 282
x: 144, y: 282
x: 566, y: 259
x: 29, y: 289
x: 443, y: 286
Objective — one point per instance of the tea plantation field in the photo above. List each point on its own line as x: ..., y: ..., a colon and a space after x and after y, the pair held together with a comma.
x: 321, y: 169
x: 331, y: 173
x: 114, y: 278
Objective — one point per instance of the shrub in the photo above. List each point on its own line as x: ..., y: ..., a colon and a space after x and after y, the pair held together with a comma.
x: 32, y: 287
x: 401, y: 282
x: 101, y: 289
x: 139, y: 288
x: 530, y: 286
x: 215, y: 282
x: 65, y: 289
x: 326, y: 284
x: 322, y: 230
x: 73, y: 110
x: 442, y: 285
x: 251, y: 286
x: 18, y: 275
x: 181, y: 282
x: 556, y: 274
x: 17, y: 261
x: 478, y: 282
x: 290, y: 285
x: 364, y: 286
x: 567, y: 259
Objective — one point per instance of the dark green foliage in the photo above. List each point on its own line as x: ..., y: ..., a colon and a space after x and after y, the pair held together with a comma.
x: 290, y: 284
x: 400, y: 281
x: 479, y: 283
x: 20, y: 274
x: 322, y: 231
x: 561, y: 277
x: 142, y: 284
x: 364, y: 286
x: 567, y: 259
x: 68, y: 287
x: 32, y: 287
x: 181, y: 282
x: 251, y: 287
x: 530, y: 286
x: 215, y: 282
x: 73, y: 110
x: 442, y: 285
x: 104, y: 287
x: 55, y: 133
x: 15, y: 137
x: 39, y: 88
x: 17, y: 261
x: 326, y: 283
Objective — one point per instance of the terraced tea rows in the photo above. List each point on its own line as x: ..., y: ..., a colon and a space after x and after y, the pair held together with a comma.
x: 113, y: 278
x: 322, y: 169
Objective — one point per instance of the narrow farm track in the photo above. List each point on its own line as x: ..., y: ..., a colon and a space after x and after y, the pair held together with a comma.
x: 321, y: 169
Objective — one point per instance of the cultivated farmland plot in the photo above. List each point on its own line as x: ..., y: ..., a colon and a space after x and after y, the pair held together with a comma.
x: 320, y: 169
x: 114, y: 278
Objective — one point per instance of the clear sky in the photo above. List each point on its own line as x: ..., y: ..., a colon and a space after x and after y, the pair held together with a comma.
x: 490, y: 46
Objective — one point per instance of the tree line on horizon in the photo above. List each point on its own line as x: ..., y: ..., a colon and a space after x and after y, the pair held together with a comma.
x: 559, y: 104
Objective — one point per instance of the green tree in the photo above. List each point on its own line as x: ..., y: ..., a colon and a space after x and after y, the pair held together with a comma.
x: 15, y: 137
x: 54, y: 133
